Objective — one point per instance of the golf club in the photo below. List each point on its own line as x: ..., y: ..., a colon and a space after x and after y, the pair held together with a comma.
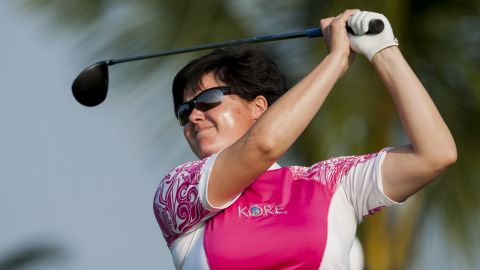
x: 91, y: 85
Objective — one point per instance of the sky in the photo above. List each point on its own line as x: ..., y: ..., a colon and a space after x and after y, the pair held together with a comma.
x: 82, y: 179
x: 73, y: 178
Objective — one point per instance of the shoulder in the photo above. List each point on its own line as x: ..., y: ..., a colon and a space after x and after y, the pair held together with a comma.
x: 176, y: 204
x: 179, y: 184
x: 329, y: 171
x: 334, y: 164
x: 187, y: 172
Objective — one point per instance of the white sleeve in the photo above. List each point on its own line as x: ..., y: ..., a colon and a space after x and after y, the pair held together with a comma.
x: 203, y: 186
x: 364, y: 188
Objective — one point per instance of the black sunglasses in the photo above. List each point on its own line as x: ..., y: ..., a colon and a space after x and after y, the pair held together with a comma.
x: 204, y: 101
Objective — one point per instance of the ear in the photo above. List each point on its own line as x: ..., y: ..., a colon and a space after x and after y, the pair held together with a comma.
x: 260, y: 105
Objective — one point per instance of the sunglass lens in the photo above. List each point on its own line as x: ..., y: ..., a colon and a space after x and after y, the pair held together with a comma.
x: 209, y: 99
x: 203, y: 102
x: 183, y: 113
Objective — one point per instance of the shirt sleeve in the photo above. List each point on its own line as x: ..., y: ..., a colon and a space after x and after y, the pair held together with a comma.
x: 359, y: 177
x: 181, y: 204
x: 363, y: 185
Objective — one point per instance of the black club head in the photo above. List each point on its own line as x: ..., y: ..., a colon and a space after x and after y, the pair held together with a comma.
x: 91, y: 85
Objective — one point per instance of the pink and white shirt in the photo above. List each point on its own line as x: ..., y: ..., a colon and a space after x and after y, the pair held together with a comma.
x: 289, y: 218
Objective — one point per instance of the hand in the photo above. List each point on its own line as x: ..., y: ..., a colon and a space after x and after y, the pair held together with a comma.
x: 335, y: 34
x: 370, y: 44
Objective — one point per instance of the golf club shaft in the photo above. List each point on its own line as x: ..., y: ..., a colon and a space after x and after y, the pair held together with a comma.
x: 91, y: 85
x: 310, y: 33
x: 375, y: 27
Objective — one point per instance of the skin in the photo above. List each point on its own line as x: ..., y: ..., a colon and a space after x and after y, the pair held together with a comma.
x: 253, y: 137
x: 216, y: 129
x: 408, y: 168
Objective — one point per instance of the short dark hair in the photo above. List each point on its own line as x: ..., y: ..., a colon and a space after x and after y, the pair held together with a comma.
x: 248, y: 70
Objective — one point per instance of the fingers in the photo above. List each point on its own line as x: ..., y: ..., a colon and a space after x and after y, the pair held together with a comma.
x: 325, y: 23
x: 365, y: 20
x: 338, y: 22
x: 353, y: 22
x: 343, y: 17
x: 335, y: 32
x: 359, y: 22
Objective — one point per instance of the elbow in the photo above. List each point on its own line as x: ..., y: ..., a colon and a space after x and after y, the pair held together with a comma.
x: 267, y: 147
x: 444, y: 159
x: 451, y: 157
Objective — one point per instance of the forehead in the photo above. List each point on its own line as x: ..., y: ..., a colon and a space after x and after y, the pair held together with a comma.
x: 208, y: 80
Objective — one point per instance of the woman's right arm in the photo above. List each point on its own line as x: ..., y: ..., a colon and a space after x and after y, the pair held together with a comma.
x: 237, y: 166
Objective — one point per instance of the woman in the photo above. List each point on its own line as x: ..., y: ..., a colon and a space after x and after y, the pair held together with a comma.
x: 235, y: 208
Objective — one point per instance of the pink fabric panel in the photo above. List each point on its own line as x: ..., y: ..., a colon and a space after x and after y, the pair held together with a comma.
x: 277, y: 223
x: 280, y: 221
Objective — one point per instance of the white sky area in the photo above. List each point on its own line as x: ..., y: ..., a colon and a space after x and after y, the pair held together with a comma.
x: 82, y: 178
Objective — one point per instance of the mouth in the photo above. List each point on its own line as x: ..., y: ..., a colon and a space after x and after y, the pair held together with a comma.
x: 200, y: 131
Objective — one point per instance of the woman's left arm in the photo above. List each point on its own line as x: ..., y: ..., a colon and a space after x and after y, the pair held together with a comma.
x: 432, y: 149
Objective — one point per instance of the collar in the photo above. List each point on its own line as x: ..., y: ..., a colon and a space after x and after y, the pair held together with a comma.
x: 274, y: 167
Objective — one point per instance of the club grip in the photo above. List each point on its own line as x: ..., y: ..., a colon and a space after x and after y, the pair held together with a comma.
x: 374, y: 27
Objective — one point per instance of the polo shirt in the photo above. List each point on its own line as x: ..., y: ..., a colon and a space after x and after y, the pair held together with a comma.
x: 290, y: 217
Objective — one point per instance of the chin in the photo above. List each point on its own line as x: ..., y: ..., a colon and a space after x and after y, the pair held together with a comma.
x: 203, y: 155
x: 206, y: 152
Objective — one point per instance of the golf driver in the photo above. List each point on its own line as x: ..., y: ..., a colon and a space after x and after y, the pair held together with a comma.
x: 91, y: 85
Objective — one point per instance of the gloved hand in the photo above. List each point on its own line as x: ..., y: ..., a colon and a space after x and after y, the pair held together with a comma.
x: 369, y: 44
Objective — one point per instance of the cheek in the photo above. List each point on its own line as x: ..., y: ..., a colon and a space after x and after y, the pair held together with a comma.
x: 234, y: 122
x: 228, y: 119
x: 187, y: 133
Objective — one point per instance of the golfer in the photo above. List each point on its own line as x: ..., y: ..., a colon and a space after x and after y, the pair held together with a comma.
x: 236, y: 208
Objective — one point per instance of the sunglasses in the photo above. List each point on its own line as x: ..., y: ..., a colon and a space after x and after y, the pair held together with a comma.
x: 204, y: 101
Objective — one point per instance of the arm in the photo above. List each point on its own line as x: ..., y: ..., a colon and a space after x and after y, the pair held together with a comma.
x: 432, y: 149
x: 277, y: 129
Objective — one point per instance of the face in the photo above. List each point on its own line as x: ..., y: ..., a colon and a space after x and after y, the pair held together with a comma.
x: 213, y: 130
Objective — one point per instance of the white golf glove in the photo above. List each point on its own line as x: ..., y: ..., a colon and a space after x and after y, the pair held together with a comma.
x: 369, y: 44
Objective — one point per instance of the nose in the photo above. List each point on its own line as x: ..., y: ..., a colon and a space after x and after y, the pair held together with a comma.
x: 196, y: 116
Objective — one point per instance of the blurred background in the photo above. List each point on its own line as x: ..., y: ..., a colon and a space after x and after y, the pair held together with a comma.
x: 77, y: 183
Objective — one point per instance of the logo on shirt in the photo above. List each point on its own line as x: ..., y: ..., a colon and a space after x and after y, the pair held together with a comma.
x: 263, y: 210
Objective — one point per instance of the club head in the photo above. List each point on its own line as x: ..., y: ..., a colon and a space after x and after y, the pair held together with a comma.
x: 91, y: 85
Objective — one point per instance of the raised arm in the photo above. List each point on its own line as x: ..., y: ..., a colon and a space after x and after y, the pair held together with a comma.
x: 237, y: 166
x: 432, y: 149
